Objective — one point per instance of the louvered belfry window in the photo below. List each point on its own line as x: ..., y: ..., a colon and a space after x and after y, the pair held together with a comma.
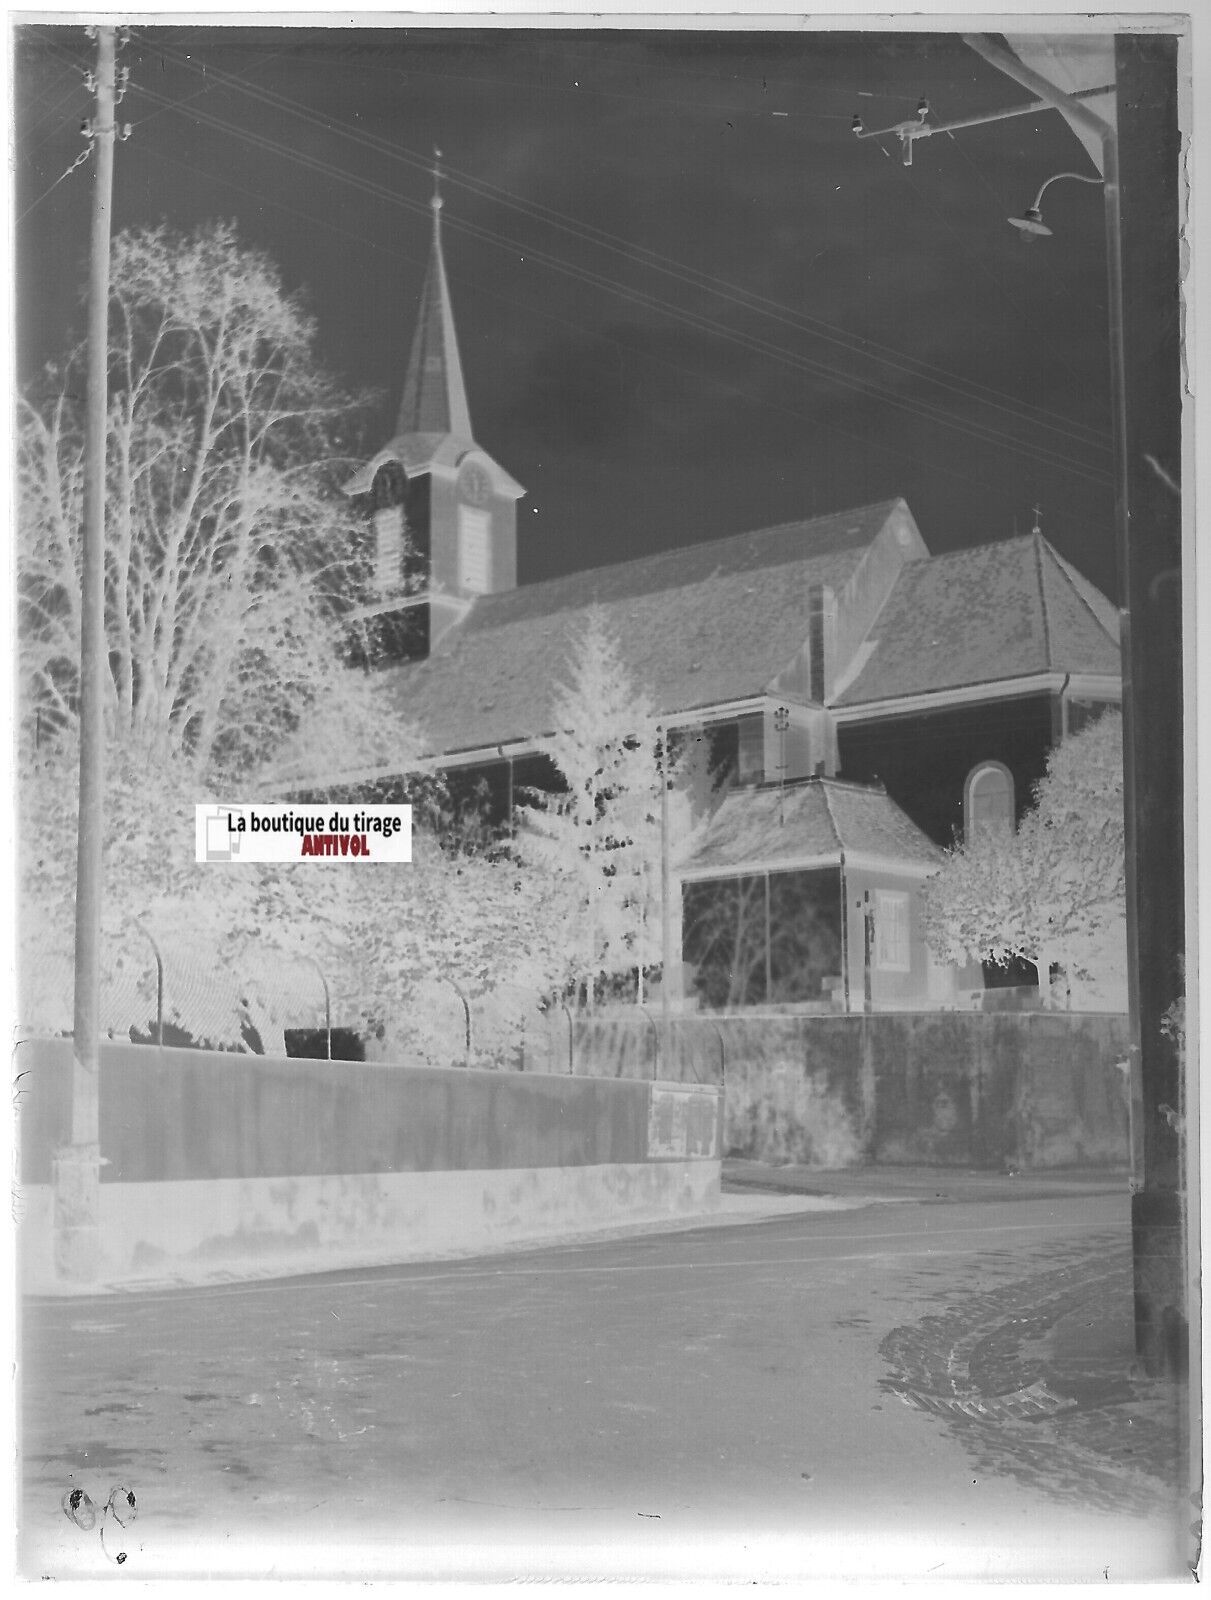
x: 390, y: 526
x: 388, y: 549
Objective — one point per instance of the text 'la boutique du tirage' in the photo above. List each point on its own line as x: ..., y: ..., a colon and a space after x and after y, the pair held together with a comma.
x: 255, y: 833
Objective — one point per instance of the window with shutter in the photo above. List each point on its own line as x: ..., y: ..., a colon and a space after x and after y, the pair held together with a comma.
x: 473, y: 529
x: 751, y: 753
x: 892, y: 952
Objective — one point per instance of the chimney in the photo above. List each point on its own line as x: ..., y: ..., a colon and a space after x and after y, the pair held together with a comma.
x: 821, y: 640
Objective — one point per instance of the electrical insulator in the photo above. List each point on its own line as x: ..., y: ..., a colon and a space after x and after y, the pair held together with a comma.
x: 922, y: 108
x: 90, y: 79
x: 856, y: 124
x: 124, y: 130
x: 86, y: 127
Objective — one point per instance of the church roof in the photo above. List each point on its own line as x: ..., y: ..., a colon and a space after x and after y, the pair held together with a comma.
x: 697, y: 626
x: 1006, y: 610
x: 809, y: 823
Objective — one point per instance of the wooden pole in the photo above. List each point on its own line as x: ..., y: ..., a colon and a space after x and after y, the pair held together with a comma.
x: 666, y: 910
x: 78, y: 1166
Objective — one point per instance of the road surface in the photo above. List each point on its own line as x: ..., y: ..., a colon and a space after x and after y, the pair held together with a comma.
x: 758, y: 1400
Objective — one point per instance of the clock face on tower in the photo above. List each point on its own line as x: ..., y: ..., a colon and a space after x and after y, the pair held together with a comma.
x: 476, y: 486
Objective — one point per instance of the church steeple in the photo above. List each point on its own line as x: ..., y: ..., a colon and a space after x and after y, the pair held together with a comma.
x: 441, y: 514
x: 435, y: 396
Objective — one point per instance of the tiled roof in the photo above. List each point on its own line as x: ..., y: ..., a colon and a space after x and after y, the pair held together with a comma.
x: 996, y: 611
x: 811, y: 821
x: 696, y: 626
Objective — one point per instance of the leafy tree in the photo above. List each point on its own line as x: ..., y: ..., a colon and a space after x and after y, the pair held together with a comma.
x: 242, y: 942
x: 1052, y: 892
x: 456, y: 926
x: 152, y: 891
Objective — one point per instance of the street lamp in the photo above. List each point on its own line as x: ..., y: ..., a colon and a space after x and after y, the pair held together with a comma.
x: 1158, y: 1215
x: 1030, y: 224
x: 911, y: 129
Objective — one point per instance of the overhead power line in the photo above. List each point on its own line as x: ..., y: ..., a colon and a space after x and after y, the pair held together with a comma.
x: 643, y: 353
x: 867, y: 350
x: 700, y: 322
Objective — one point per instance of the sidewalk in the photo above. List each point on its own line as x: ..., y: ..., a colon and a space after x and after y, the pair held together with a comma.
x: 925, y: 1185
x: 729, y: 1208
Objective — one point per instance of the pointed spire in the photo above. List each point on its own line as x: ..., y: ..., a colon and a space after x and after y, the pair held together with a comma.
x: 435, y: 397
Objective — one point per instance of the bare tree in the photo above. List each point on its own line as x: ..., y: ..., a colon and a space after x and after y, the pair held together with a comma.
x: 229, y: 549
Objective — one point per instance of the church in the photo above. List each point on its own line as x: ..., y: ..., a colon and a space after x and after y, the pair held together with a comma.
x: 869, y: 702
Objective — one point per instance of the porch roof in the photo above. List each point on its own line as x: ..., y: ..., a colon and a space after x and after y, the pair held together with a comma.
x: 808, y: 824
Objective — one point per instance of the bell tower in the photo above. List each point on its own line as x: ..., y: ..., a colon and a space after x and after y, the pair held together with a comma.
x: 441, y: 514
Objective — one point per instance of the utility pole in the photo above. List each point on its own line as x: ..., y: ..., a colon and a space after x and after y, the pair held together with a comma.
x: 666, y: 909
x: 78, y: 1165
x: 1140, y: 162
x: 1163, y: 1221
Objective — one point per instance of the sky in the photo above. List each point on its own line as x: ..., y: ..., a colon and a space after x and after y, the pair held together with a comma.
x: 689, y: 301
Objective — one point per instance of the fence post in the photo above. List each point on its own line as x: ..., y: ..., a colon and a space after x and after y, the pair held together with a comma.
x: 159, y: 984
x: 571, y: 1039
x: 659, y: 1041
x: 327, y: 1004
x: 446, y: 978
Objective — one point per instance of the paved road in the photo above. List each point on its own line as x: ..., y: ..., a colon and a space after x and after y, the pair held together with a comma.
x: 720, y: 1401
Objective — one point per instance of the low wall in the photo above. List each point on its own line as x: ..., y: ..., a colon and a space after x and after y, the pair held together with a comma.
x: 1031, y: 1090
x: 213, y: 1159
x: 952, y: 1088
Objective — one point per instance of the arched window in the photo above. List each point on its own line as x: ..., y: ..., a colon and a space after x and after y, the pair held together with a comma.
x: 390, y: 486
x: 988, y: 800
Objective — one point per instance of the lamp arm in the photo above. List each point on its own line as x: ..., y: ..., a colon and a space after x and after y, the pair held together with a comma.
x: 1080, y: 177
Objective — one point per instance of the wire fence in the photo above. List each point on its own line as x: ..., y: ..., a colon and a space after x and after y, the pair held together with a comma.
x: 185, y: 988
x: 177, y: 988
